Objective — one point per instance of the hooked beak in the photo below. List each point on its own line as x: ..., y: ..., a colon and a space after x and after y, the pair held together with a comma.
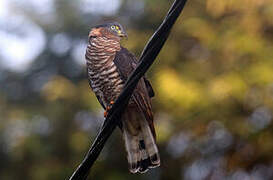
x: 122, y: 34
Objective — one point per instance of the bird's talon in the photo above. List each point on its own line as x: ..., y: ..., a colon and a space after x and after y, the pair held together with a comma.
x: 105, y: 113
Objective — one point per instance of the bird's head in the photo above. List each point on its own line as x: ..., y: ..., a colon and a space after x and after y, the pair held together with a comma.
x: 109, y: 30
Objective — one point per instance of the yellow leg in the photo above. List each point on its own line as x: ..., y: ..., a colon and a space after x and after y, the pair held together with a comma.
x: 108, y: 108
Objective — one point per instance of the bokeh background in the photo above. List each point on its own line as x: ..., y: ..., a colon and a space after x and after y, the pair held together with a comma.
x: 213, y: 82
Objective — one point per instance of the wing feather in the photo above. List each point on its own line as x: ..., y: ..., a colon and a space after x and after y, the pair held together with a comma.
x: 126, y: 62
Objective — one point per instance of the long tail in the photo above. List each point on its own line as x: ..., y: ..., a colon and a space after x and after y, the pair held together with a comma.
x: 142, y: 152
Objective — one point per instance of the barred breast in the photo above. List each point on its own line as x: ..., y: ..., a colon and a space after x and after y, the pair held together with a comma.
x: 103, y: 75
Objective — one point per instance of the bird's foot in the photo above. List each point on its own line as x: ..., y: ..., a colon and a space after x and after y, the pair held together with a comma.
x: 108, y: 108
x: 105, y: 114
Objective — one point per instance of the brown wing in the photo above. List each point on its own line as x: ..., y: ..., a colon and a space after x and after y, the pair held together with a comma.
x: 126, y: 63
x: 149, y: 87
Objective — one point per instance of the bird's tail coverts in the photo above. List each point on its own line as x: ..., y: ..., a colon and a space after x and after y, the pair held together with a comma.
x: 142, y: 152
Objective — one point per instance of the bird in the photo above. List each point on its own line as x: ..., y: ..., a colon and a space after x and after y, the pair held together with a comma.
x: 109, y: 65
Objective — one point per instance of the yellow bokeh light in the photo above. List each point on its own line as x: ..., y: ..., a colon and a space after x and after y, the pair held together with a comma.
x: 59, y: 88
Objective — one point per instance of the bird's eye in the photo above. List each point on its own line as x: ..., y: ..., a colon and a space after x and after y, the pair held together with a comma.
x: 113, y: 27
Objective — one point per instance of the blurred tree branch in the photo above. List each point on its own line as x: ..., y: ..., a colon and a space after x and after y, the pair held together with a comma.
x: 148, y: 56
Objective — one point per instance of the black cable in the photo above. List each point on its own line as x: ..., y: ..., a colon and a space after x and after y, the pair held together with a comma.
x: 148, y: 56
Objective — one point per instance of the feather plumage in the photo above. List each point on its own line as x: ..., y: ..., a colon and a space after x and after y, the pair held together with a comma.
x: 142, y: 113
x: 108, y: 66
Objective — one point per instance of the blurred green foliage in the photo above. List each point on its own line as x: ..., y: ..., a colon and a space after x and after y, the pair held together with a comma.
x: 214, y: 95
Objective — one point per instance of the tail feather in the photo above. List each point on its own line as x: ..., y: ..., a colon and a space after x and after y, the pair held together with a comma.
x: 150, y: 144
x: 142, y: 152
x: 131, y: 144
